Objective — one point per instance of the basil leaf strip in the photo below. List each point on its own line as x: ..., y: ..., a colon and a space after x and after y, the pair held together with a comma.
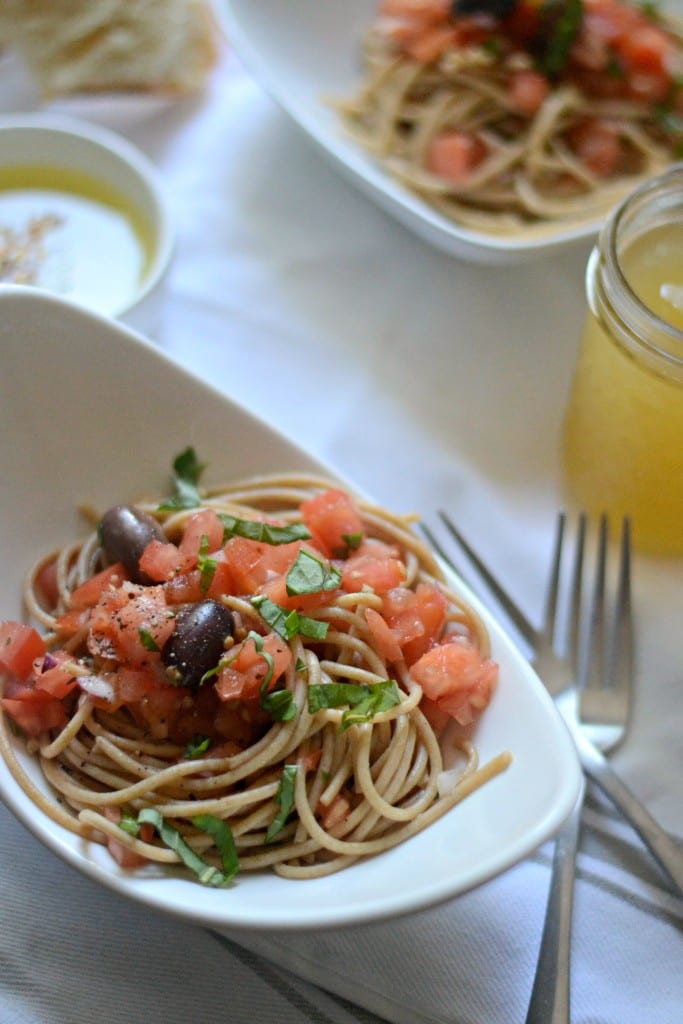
x: 264, y: 532
x: 147, y: 640
x: 129, y: 824
x: 285, y: 799
x: 221, y: 834
x: 563, y: 19
x: 197, y: 746
x: 288, y: 623
x: 187, y: 471
x: 308, y: 575
x: 363, y: 702
x: 279, y: 704
x: 207, y: 566
x: 172, y: 838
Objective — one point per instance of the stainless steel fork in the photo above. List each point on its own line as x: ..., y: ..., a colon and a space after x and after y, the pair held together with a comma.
x: 599, y: 662
x: 588, y: 669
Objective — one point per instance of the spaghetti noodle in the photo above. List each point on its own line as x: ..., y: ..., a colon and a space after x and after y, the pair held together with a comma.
x: 308, y: 738
x: 518, y: 114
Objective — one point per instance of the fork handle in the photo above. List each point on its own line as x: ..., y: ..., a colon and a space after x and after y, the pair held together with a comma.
x: 549, y: 1002
x: 664, y: 850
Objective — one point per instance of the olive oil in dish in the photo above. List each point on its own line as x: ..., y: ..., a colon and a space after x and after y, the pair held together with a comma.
x: 71, y: 234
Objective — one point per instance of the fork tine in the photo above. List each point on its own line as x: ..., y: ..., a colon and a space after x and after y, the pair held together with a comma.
x: 547, y: 631
x: 605, y: 679
x: 511, y: 609
x: 576, y: 592
x: 621, y: 653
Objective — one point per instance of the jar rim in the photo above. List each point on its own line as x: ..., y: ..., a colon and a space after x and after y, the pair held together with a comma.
x: 636, y: 308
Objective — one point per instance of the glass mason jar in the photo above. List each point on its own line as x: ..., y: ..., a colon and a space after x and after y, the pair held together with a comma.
x: 623, y: 437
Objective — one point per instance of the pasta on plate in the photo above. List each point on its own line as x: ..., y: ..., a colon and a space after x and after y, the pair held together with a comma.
x: 272, y: 674
x: 515, y: 113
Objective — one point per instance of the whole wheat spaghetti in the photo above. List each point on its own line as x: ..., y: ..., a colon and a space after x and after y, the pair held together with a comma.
x: 251, y: 677
x: 512, y: 113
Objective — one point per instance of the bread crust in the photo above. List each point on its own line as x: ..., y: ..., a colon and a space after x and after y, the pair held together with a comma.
x: 113, y: 45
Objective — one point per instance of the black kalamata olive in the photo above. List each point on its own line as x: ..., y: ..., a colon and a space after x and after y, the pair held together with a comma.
x: 494, y: 8
x: 197, y: 642
x: 125, y: 532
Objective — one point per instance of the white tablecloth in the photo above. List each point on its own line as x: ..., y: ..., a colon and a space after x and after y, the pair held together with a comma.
x: 431, y: 383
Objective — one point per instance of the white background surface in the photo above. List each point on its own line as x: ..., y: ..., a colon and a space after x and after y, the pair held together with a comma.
x: 432, y: 383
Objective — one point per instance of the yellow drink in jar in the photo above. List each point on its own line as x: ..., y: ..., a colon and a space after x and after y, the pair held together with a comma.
x: 624, y: 426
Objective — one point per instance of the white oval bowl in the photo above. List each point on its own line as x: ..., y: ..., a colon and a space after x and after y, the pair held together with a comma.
x: 63, y: 444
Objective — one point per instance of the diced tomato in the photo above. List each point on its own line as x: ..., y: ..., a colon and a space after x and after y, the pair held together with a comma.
x: 383, y: 636
x: 20, y: 645
x: 456, y: 677
x: 523, y: 22
x: 646, y: 49
x: 428, y: 46
x: 333, y: 518
x: 72, y: 622
x: 310, y: 761
x: 436, y: 716
x: 338, y: 811
x: 46, y: 582
x: 454, y: 155
x: 159, y: 710
x: 243, y: 677
x: 88, y: 593
x: 184, y: 588
x: 376, y: 565
x: 122, y: 854
x: 429, y: 12
x: 53, y: 673
x: 221, y: 582
x: 252, y: 563
x: 528, y: 91
x: 129, y: 622
x: 203, y: 524
x: 416, y: 618
x: 597, y: 145
x: 35, y: 712
x: 276, y: 590
x: 160, y: 560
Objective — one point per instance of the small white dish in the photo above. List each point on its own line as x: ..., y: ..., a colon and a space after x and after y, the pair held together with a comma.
x: 307, y: 52
x: 63, y: 444
x: 102, y: 226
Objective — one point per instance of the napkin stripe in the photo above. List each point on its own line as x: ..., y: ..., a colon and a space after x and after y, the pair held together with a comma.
x: 294, y: 997
x: 659, y: 911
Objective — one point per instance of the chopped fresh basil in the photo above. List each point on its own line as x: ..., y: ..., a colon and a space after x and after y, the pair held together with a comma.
x: 651, y: 9
x: 172, y: 838
x: 285, y: 800
x: 187, y: 471
x: 301, y: 667
x: 207, y: 566
x: 352, y: 540
x: 668, y: 120
x: 221, y: 834
x: 264, y: 532
x: 197, y: 746
x: 267, y: 657
x: 279, y: 704
x: 363, y: 701
x: 288, y: 623
x: 129, y: 824
x: 308, y: 575
x: 562, y: 21
x: 147, y: 640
